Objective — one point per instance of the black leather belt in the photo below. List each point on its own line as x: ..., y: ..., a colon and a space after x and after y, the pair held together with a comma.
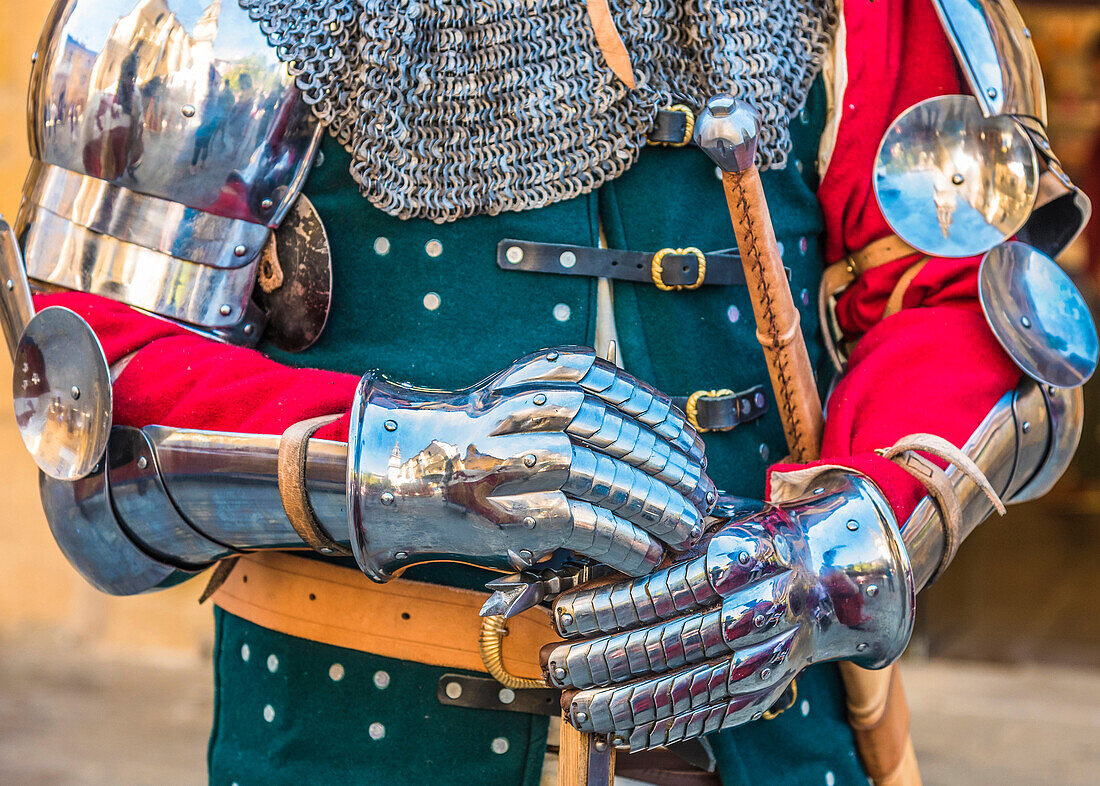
x: 667, y: 269
x: 722, y: 410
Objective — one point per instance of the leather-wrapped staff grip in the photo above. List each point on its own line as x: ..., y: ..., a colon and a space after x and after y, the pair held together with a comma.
x: 777, y: 320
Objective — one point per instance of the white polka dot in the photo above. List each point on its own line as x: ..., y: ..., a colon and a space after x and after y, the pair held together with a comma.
x: 830, y: 779
x: 562, y: 312
x: 269, y: 713
x: 433, y: 248
x: 718, y: 172
x: 798, y: 166
x: 246, y: 653
x: 734, y: 313
x: 381, y: 680
x: 432, y: 301
x: 780, y: 245
x: 272, y: 663
x: 499, y: 745
x: 804, y: 296
x: 805, y: 707
x: 803, y: 245
x: 336, y: 672
x: 381, y: 246
x: 376, y: 731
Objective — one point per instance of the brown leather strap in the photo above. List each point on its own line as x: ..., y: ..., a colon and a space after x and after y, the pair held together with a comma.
x: 878, y: 253
x: 407, y: 620
x: 893, y: 303
x: 293, y: 452
x: 610, y: 42
x: 938, y: 485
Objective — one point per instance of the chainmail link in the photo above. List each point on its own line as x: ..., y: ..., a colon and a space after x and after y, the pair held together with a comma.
x: 451, y: 108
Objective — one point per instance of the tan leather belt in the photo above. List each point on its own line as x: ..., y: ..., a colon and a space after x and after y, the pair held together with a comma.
x: 402, y: 619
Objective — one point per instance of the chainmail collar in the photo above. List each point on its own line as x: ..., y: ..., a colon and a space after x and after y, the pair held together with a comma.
x: 452, y: 108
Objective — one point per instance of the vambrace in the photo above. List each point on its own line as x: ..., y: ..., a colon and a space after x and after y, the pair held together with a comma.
x: 559, y: 451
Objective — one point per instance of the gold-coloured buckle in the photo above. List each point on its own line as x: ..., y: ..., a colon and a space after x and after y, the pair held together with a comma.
x: 657, y: 268
x: 692, y: 407
x: 689, y: 127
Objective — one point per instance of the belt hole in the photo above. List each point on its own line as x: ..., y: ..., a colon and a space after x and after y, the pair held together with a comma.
x: 312, y: 596
x: 614, y: 262
x: 639, y: 266
x: 244, y: 578
x: 404, y: 615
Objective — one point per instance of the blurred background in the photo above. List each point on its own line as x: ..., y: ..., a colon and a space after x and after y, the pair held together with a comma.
x: 1003, y: 673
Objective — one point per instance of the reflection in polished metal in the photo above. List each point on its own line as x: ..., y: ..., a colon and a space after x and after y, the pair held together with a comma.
x: 726, y: 118
x: 68, y: 255
x: 168, y: 139
x: 994, y: 47
x: 713, y: 640
x: 952, y: 182
x: 617, y: 469
x: 144, y: 509
x: 147, y: 221
x: 16, y: 306
x: 86, y: 530
x: 1038, y: 315
x: 226, y: 485
x: 182, y: 100
x: 62, y: 391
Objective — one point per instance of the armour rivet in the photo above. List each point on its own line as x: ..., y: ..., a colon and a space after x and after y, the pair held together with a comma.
x: 529, y: 522
x: 758, y: 620
x: 765, y: 673
x: 580, y: 717
x: 743, y: 558
x: 142, y: 462
x: 853, y: 525
x: 559, y: 673
x: 74, y: 391
x: 540, y: 399
x: 566, y: 619
x: 552, y: 356
x: 390, y: 425
x: 225, y: 310
x: 529, y: 460
x: 872, y: 590
x: 401, y: 555
x: 387, y: 498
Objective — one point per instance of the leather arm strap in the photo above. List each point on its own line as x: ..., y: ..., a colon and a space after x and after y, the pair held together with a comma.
x: 938, y: 485
x: 293, y: 452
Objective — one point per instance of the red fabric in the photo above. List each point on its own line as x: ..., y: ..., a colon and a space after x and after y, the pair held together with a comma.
x: 177, y: 378
x: 934, y: 367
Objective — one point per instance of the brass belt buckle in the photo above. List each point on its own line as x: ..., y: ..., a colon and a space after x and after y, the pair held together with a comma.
x: 689, y: 126
x: 692, y: 408
x: 657, y: 268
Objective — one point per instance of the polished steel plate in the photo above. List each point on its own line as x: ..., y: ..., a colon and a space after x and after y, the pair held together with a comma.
x: 952, y: 182
x: 1038, y: 315
x: 62, y: 391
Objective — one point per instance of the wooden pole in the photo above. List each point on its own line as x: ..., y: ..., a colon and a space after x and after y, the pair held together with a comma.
x: 727, y: 131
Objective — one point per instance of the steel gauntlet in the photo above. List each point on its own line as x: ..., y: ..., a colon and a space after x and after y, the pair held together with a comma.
x: 714, y: 640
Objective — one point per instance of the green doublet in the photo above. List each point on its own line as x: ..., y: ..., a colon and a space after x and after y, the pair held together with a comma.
x: 426, y: 303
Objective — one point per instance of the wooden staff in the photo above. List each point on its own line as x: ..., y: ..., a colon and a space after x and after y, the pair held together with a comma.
x: 727, y: 130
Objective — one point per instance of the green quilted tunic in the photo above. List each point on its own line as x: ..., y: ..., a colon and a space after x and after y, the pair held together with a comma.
x: 426, y: 303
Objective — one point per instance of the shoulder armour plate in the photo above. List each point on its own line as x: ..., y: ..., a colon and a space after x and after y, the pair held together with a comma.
x: 168, y: 140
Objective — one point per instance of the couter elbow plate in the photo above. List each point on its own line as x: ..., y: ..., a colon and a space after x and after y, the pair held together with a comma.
x: 952, y: 182
x: 1038, y: 315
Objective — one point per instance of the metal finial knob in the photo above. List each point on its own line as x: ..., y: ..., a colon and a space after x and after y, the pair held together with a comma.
x: 727, y: 129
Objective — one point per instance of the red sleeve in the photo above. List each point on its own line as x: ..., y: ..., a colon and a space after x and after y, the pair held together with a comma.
x: 934, y: 367
x: 176, y: 378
